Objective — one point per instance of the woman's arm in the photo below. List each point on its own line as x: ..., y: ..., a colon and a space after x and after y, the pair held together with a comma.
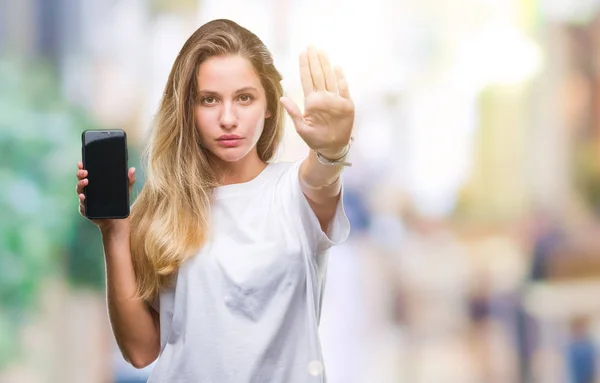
x: 134, y: 323
x: 325, y: 126
x: 321, y: 185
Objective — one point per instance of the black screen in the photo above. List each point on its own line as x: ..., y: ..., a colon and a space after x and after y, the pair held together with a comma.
x: 105, y: 159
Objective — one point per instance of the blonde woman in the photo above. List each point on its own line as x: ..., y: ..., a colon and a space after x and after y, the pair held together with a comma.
x: 219, y: 271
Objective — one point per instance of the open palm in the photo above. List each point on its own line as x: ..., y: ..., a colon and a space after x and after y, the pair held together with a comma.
x: 326, y: 124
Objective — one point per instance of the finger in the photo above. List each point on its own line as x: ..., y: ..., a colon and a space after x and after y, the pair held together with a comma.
x: 305, y: 77
x: 81, y: 184
x: 81, y: 197
x: 80, y: 165
x: 330, y: 80
x: 342, y: 83
x: 293, y: 110
x: 81, y: 174
x: 315, y: 69
x: 131, y: 176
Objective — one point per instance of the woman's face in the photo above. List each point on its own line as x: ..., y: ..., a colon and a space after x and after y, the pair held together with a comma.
x: 231, y: 107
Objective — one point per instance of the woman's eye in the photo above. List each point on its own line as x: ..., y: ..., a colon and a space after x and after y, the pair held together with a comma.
x: 209, y: 100
x: 245, y: 98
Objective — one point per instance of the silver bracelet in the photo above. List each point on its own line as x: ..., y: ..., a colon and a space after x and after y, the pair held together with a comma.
x: 338, y: 161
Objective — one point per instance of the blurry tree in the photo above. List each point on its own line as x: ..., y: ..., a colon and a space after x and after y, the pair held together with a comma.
x: 41, y: 232
x: 37, y: 138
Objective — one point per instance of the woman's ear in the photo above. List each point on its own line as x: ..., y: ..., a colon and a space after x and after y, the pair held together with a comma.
x: 268, y: 114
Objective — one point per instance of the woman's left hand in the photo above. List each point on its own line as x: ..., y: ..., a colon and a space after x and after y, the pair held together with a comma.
x: 327, y: 122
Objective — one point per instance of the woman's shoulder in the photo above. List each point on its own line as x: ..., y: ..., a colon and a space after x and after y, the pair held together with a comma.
x: 284, y: 173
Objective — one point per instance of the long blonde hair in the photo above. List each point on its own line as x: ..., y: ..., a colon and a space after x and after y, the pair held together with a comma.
x: 170, y: 218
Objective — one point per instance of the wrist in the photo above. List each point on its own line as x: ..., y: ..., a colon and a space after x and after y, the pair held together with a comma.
x: 115, y: 228
x: 320, y: 184
x: 334, y: 153
x: 335, y: 156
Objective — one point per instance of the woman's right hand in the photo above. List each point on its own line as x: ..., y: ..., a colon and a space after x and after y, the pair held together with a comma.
x: 82, y: 181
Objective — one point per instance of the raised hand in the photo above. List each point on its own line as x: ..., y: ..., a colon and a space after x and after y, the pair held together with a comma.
x: 328, y: 118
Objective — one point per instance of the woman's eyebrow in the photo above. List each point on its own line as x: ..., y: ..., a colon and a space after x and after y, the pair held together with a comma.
x: 247, y: 89
x: 244, y: 89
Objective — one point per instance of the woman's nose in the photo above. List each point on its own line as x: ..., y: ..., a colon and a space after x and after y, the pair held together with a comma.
x: 228, y: 118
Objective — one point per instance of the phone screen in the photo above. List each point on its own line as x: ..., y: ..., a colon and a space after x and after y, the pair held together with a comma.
x: 104, y: 155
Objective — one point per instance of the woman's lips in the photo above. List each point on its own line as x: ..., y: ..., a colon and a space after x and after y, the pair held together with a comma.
x: 229, y: 140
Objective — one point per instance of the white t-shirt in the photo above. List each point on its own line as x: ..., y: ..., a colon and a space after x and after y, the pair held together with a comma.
x: 246, y: 308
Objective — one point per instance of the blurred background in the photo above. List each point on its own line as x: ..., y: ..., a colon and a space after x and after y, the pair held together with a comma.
x: 474, y: 195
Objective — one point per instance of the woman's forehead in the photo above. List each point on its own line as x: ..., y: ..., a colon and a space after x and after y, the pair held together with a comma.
x: 227, y: 73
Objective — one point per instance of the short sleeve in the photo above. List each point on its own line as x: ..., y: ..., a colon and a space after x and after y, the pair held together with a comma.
x: 304, y: 217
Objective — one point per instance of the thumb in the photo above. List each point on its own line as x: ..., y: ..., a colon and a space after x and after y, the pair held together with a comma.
x: 293, y: 110
x: 131, y: 176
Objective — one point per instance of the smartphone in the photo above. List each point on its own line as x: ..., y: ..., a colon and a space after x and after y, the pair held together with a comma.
x: 104, y: 156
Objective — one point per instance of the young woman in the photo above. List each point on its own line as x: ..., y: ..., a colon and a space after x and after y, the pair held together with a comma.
x: 219, y: 271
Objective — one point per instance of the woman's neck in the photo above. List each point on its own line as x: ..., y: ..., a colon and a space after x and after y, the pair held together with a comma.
x: 241, y: 171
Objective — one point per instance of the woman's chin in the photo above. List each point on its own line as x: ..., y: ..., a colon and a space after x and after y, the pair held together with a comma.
x: 230, y: 154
